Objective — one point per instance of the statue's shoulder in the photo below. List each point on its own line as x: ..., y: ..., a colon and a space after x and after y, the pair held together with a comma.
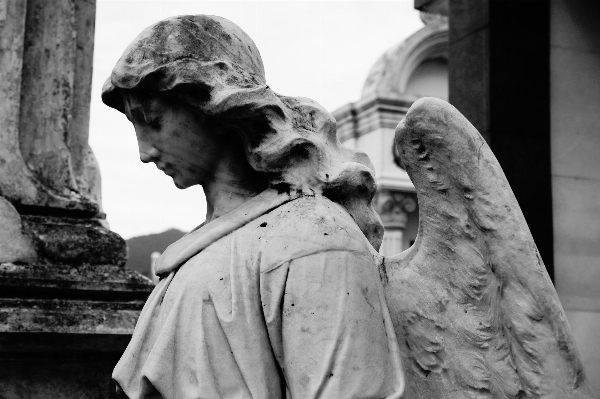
x: 304, y: 226
x: 313, y: 214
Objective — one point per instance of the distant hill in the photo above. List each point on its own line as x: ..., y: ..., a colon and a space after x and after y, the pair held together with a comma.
x: 140, y: 249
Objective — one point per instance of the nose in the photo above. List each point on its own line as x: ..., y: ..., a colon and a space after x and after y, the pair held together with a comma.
x: 148, y: 153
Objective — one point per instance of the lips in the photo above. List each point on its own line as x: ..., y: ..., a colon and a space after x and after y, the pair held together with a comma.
x: 166, y: 169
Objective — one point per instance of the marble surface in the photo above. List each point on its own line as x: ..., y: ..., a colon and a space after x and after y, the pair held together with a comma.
x: 289, y: 304
x: 278, y: 293
x: 473, y: 306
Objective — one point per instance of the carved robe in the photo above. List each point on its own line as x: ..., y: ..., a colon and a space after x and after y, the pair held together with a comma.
x: 281, y: 298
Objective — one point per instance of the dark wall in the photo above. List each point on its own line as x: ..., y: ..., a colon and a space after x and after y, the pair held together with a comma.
x: 499, y: 71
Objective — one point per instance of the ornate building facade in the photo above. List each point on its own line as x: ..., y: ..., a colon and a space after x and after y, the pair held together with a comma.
x: 415, y: 67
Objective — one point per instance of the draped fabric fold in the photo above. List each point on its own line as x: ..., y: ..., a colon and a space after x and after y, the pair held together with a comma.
x: 287, y: 303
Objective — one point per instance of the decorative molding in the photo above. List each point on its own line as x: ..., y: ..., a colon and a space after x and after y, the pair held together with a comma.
x: 429, y: 18
x: 384, y: 101
x: 403, y: 185
x: 372, y: 113
x: 393, y: 207
x: 392, y: 71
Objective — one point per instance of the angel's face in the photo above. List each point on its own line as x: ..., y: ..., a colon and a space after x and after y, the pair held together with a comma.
x: 175, y: 137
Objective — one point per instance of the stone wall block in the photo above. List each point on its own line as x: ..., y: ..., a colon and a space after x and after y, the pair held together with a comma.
x: 469, y: 79
x: 75, y: 242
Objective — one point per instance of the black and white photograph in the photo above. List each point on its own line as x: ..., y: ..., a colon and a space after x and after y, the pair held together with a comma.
x: 299, y: 199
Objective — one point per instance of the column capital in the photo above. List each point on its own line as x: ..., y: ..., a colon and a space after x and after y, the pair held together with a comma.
x: 393, y: 206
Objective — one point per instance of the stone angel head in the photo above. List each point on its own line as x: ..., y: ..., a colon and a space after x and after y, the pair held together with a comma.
x: 194, y: 87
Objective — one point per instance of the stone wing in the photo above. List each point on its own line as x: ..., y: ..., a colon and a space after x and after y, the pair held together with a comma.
x: 473, y: 307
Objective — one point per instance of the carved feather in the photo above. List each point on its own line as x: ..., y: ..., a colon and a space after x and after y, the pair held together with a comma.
x: 473, y: 307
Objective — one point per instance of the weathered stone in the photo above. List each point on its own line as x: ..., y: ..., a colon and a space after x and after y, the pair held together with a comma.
x: 68, y: 304
x: 98, y: 282
x: 45, y: 158
x: 14, y: 245
x: 473, y: 306
x: 67, y: 316
x: 279, y: 291
x: 70, y: 241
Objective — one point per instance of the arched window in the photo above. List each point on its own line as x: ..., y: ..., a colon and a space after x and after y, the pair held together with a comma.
x: 430, y: 78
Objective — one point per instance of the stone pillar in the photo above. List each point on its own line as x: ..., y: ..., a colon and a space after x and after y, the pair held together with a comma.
x: 394, y: 206
x: 68, y: 305
x: 575, y: 94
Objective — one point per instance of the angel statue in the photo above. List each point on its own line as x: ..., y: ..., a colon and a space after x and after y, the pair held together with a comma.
x: 281, y: 293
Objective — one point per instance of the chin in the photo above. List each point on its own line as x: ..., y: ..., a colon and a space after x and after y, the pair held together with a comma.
x: 182, y: 185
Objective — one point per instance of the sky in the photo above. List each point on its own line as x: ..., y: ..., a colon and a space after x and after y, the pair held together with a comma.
x: 317, y: 49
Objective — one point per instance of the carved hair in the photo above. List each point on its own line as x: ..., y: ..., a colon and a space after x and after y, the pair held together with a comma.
x: 210, y: 64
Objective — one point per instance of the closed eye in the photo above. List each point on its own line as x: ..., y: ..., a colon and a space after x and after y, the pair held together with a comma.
x: 154, y: 124
x: 137, y: 116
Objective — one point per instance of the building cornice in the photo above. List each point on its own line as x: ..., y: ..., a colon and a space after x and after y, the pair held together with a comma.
x: 371, y: 113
